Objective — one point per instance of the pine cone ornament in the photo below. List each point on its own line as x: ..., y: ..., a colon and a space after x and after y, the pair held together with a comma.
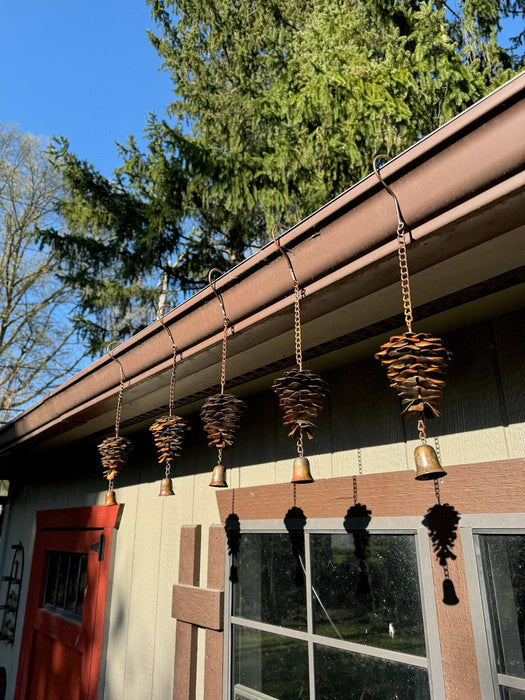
x: 221, y: 415
x: 168, y: 434
x: 301, y: 394
x: 114, y: 452
x: 416, y: 364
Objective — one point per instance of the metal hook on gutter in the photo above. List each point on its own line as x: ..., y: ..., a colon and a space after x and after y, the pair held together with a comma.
x: 121, y: 386
x: 109, y: 351
x: 218, y: 294
x: 401, y: 223
x: 160, y: 314
x: 283, y: 252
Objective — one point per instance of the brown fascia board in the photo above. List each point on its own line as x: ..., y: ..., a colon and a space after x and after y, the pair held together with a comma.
x: 470, y: 162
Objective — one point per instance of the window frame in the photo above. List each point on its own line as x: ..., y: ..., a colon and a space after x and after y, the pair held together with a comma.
x: 471, y: 526
x: 407, y: 525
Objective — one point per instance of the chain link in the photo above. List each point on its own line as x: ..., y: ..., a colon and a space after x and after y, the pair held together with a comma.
x: 119, y: 403
x: 300, y: 446
x: 405, y: 280
x: 173, y: 380
x: 223, y: 360
x: 219, y: 453
x: 167, y: 471
x: 110, y: 485
x: 297, y: 326
x: 422, y: 431
x: 438, y: 498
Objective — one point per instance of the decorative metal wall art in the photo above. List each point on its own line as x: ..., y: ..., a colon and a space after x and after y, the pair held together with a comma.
x: 300, y: 391
x: 416, y: 362
x: 168, y: 431
x: 115, y: 450
x: 221, y: 413
x: 12, y: 595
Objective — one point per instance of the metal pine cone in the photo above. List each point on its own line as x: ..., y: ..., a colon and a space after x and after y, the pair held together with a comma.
x: 168, y: 434
x: 221, y: 415
x: 114, y: 452
x: 416, y: 364
x: 301, y: 394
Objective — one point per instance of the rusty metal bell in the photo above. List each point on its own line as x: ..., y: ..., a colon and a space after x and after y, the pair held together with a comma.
x: 427, y: 463
x: 110, y: 499
x: 301, y: 471
x: 166, y: 487
x: 218, y: 477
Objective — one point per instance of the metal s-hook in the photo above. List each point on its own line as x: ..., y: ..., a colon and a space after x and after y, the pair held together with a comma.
x: 160, y: 314
x: 401, y: 223
x: 226, y: 323
x: 297, y: 302
x: 121, y: 385
x: 218, y: 294
x: 402, y: 229
x: 173, y: 378
x: 109, y: 351
x: 283, y: 252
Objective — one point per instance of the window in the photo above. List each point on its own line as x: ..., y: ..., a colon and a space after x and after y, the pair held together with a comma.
x: 65, y: 583
x: 501, y: 562
x: 327, y: 615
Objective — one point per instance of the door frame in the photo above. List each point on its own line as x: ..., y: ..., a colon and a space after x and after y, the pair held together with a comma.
x: 103, y: 519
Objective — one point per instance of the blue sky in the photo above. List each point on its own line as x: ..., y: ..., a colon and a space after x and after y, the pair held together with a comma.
x: 83, y: 69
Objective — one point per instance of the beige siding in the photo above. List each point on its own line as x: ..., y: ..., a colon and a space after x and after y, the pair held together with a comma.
x: 360, y: 430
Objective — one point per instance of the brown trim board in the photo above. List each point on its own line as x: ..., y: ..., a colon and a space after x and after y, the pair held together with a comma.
x: 490, y: 487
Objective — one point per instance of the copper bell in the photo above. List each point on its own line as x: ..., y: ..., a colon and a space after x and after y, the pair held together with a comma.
x: 166, y: 487
x: 427, y: 463
x: 217, y: 477
x: 301, y: 471
x: 110, y: 499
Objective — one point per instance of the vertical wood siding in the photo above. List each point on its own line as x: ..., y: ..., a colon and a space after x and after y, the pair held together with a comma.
x: 360, y: 429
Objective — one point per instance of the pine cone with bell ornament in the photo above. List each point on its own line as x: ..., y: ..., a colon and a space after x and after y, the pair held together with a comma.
x: 114, y: 452
x: 416, y: 364
x: 301, y: 394
x: 221, y: 415
x: 168, y: 435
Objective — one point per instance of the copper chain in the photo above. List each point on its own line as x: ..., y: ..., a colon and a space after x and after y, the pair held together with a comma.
x: 119, y: 403
x: 297, y: 326
x: 422, y: 431
x: 300, y: 447
x: 223, y: 360
x: 173, y: 380
x: 405, y: 280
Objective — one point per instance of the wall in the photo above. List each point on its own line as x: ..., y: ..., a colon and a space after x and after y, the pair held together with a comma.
x: 360, y: 430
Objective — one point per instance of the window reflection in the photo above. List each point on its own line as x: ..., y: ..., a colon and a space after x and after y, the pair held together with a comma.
x: 268, y: 587
x: 368, y: 595
x: 503, y: 564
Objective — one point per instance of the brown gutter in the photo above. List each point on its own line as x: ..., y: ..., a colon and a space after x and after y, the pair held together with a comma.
x: 459, y: 169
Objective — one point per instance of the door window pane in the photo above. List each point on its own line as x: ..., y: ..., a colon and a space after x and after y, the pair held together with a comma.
x: 503, y: 564
x: 270, y: 585
x: 269, y: 663
x: 65, y: 583
x: 366, y: 590
x: 342, y: 675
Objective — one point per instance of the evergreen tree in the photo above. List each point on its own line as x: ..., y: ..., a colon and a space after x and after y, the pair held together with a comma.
x: 279, y: 105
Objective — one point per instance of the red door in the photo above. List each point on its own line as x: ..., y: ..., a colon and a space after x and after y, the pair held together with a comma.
x: 64, y: 619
